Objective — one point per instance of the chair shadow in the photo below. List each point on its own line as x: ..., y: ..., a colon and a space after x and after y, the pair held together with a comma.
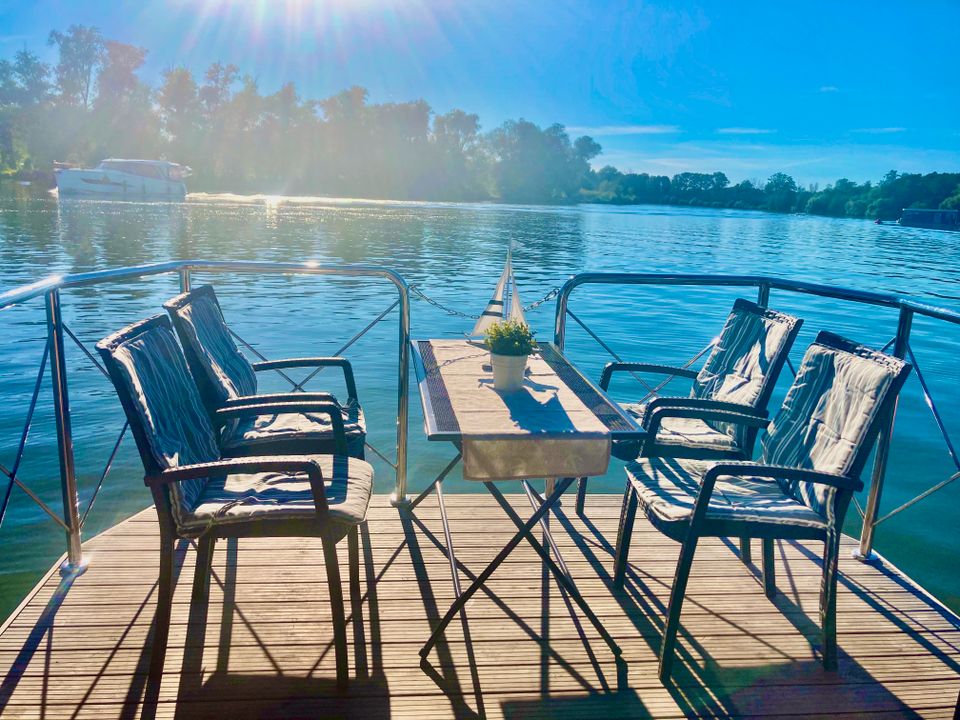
x: 223, y: 693
x: 700, y: 686
x: 619, y: 705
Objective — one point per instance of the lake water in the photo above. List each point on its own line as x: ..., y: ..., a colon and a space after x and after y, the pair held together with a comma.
x: 454, y: 253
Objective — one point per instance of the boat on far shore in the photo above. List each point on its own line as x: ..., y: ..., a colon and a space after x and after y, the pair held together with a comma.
x: 931, y: 219
x: 118, y: 178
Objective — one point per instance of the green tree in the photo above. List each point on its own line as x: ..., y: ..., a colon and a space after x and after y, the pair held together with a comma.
x: 177, y: 98
x: 81, y: 51
x: 781, y: 191
x: 117, y: 81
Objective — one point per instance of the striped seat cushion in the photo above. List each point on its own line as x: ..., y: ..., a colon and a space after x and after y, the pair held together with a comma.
x: 687, y: 432
x: 737, y: 369
x: 203, y: 328
x: 348, y: 483
x: 667, y: 490
x: 250, y: 433
x: 176, y: 425
x: 826, y: 416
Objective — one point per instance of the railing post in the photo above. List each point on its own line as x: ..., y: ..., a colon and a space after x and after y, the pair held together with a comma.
x: 184, y: 273
x: 763, y: 294
x: 403, y: 399
x: 865, y: 552
x: 560, y: 316
x: 74, y: 563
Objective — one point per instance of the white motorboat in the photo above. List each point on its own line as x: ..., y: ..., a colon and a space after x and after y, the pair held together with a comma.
x: 124, y: 179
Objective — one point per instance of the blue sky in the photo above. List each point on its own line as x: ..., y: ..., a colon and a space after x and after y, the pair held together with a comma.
x: 820, y: 90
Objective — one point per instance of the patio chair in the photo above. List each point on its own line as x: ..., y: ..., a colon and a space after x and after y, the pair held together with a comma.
x: 810, y: 465
x: 226, y: 379
x: 201, y: 495
x: 738, y: 377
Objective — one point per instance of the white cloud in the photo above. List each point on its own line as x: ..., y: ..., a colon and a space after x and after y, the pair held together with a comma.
x: 881, y: 130
x: 829, y: 89
x: 744, y: 131
x: 610, y: 130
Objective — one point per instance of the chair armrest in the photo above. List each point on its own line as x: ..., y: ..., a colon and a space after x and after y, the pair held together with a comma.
x: 280, y: 398
x: 331, y: 409
x: 340, y: 362
x: 653, y: 418
x: 613, y: 367
x: 773, y: 472
x: 275, y: 463
x: 705, y: 404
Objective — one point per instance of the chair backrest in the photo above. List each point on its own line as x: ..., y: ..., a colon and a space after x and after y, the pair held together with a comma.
x: 220, y: 369
x: 744, y: 365
x: 832, y: 413
x: 162, y: 403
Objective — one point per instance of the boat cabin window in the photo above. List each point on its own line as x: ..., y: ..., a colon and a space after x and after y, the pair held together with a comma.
x: 141, y: 169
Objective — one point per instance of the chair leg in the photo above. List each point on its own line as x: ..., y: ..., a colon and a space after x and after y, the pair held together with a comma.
x: 746, y: 554
x: 161, y: 630
x: 581, y: 494
x: 353, y: 559
x: 668, y: 645
x: 335, y: 588
x: 828, y: 604
x: 628, y: 514
x: 769, y: 569
x: 201, y: 573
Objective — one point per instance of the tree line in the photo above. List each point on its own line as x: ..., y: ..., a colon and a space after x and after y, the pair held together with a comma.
x: 780, y: 193
x: 92, y: 104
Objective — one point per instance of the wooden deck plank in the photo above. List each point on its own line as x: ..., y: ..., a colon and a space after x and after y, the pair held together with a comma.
x: 265, y: 650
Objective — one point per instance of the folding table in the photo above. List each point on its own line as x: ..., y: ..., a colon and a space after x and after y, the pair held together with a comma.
x: 559, y: 426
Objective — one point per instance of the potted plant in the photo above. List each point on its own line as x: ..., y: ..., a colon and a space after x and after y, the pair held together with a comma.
x: 509, y: 342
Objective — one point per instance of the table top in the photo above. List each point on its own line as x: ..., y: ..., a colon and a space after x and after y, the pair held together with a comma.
x: 455, y: 381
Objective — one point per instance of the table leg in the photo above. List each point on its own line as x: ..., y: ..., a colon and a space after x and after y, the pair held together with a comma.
x: 565, y: 581
x: 535, y: 502
x: 449, y: 540
x: 497, y: 561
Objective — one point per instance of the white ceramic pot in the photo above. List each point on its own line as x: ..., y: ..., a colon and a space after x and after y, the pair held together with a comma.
x: 508, y: 371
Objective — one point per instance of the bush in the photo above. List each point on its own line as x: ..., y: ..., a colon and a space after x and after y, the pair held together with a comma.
x: 510, y: 338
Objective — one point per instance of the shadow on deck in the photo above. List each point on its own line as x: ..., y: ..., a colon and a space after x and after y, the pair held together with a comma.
x: 263, y: 645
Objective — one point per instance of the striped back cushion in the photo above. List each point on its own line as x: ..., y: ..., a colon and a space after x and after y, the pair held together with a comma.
x: 201, y: 326
x: 743, y: 364
x: 828, y: 414
x: 168, y: 406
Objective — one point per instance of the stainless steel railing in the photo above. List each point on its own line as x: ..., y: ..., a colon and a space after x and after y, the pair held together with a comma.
x: 51, y: 289
x: 908, y: 309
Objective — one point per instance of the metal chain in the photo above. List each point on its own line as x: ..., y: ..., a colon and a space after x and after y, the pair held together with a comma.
x: 417, y: 292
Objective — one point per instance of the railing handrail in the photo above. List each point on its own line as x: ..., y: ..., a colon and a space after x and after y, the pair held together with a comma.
x: 907, y: 308
x: 41, y: 287
x: 869, y: 297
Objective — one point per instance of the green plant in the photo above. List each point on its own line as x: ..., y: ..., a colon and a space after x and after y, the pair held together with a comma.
x: 510, y: 338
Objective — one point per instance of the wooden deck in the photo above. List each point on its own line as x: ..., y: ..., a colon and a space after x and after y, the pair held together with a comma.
x: 266, y: 651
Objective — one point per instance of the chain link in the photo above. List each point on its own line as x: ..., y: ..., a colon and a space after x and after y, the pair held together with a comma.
x: 417, y: 292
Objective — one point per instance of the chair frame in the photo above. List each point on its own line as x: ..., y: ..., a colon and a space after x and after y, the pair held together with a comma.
x: 209, y: 392
x: 158, y: 479
x: 688, y: 533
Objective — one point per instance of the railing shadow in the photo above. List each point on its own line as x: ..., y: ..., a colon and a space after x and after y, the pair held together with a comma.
x: 43, y: 628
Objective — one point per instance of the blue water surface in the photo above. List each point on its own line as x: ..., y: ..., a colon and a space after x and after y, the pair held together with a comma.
x: 454, y: 253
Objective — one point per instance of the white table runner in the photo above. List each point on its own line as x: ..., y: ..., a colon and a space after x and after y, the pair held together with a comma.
x: 542, y: 431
